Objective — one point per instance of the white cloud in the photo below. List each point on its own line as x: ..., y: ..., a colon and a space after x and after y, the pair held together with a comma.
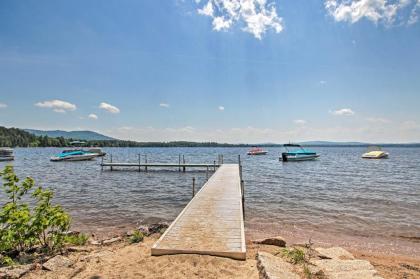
x: 108, y: 107
x: 256, y: 16
x: 3, y: 105
x: 57, y: 105
x: 384, y: 11
x: 343, y: 112
x: 221, y: 108
x: 300, y: 122
x: 414, y: 14
x: 93, y: 116
x: 164, y: 105
x: 322, y: 82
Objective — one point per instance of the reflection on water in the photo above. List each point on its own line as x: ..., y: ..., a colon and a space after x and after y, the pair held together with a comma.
x: 340, y: 192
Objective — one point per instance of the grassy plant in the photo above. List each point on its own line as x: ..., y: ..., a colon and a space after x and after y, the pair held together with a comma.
x: 294, y: 255
x: 6, y: 261
x: 77, y: 240
x: 136, y: 237
x: 307, y: 272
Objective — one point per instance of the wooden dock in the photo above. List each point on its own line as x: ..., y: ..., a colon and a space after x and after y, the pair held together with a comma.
x: 213, y: 221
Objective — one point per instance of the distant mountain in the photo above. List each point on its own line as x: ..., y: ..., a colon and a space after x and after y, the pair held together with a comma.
x: 333, y: 143
x: 80, y: 135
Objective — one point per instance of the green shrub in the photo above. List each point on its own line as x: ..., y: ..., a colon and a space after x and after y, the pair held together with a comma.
x: 22, y: 227
x: 77, y: 240
x: 136, y: 237
x: 294, y: 255
x: 6, y: 260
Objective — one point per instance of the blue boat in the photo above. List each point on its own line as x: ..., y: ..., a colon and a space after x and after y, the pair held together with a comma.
x: 295, y: 152
x: 74, y: 155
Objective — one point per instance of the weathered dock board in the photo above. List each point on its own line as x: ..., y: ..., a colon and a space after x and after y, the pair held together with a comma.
x: 212, y: 223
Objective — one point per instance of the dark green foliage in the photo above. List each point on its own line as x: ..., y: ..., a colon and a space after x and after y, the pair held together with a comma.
x: 136, y: 237
x: 78, y: 239
x: 23, y: 227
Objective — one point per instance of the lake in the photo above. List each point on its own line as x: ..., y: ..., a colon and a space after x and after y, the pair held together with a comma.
x: 339, y: 195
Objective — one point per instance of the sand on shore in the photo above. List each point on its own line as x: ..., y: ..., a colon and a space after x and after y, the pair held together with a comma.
x: 123, y: 260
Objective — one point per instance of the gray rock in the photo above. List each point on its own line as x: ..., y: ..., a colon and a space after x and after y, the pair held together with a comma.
x: 276, y: 241
x: 79, y: 249
x: 56, y: 263
x: 95, y: 242
x: 15, y: 271
x: 272, y: 267
x: 150, y: 229
x: 347, y: 269
x: 111, y: 240
x: 336, y: 253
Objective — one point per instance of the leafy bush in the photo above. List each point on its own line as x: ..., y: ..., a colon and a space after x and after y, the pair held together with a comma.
x: 136, y: 237
x: 78, y: 240
x: 22, y: 227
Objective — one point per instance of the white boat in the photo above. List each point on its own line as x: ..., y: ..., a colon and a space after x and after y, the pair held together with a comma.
x: 375, y: 152
x: 74, y: 155
x: 295, y: 152
x: 97, y: 151
x: 6, y: 154
x: 257, y: 151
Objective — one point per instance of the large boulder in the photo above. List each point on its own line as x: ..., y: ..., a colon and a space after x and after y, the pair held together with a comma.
x: 57, y: 262
x: 336, y: 253
x: 272, y: 267
x: 347, y: 269
x: 276, y: 241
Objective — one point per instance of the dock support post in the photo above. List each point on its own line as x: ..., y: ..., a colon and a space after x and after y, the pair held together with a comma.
x: 214, y: 165
x: 207, y: 172
x: 145, y: 167
x: 183, y: 162
x: 111, y: 162
x: 179, y: 162
x: 221, y: 158
x: 102, y: 163
x: 139, y: 162
x: 193, y: 187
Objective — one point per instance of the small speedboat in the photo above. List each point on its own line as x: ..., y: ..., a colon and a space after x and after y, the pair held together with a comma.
x: 375, y: 152
x: 295, y: 152
x: 97, y: 151
x: 257, y: 151
x: 74, y: 155
x: 6, y: 154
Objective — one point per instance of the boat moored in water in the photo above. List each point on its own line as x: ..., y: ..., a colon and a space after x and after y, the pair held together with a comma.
x: 257, y: 151
x: 74, y: 155
x: 6, y: 154
x: 375, y: 152
x: 295, y: 152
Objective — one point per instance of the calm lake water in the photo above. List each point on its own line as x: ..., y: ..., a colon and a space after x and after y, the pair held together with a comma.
x: 339, y: 193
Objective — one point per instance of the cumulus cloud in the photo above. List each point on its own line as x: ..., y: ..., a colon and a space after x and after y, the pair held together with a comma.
x: 384, y: 11
x: 164, y: 105
x: 256, y: 16
x: 343, y: 112
x: 109, y: 108
x: 221, y: 108
x: 93, y: 116
x: 300, y: 122
x: 3, y: 105
x: 57, y: 105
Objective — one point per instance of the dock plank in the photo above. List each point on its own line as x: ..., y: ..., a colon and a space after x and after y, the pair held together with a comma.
x: 212, y: 222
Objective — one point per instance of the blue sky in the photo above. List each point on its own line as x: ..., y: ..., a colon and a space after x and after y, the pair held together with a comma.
x: 238, y: 71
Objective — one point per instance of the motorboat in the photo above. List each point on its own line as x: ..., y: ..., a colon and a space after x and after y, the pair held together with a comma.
x: 97, y: 151
x: 295, y: 152
x: 375, y: 152
x: 6, y: 154
x: 257, y: 151
x: 74, y: 155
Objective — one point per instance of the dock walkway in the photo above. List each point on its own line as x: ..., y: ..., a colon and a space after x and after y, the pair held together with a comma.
x: 212, y: 223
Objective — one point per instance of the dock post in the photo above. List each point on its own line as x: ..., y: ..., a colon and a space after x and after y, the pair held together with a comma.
x: 145, y: 158
x: 183, y: 162
x: 222, y: 158
x: 214, y: 165
x: 111, y: 162
x: 179, y: 162
x: 207, y: 172
x: 139, y: 162
x: 102, y: 163
x: 242, y: 184
x: 193, y: 187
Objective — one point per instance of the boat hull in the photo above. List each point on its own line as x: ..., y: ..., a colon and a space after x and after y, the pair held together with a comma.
x: 300, y: 157
x: 7, y: 158
x: 379, y: 156
x: 257, y: 153
x: 74, y: 158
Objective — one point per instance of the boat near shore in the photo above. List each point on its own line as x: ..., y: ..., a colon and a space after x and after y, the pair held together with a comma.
x: 6, y: 154
x: 295, y: 152
x: 74, y: 155
x: 257, y: 151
